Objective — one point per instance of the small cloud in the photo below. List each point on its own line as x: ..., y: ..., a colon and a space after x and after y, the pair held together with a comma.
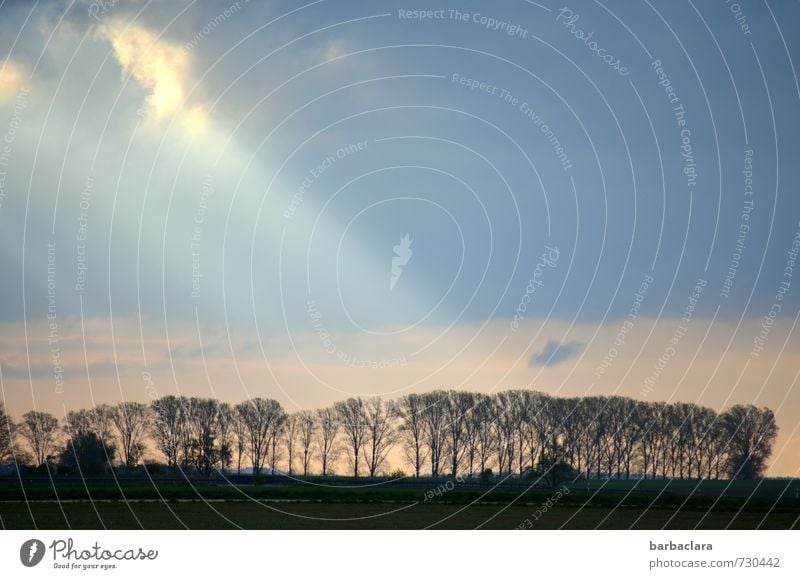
x: 334, y: 49
x: 12, y: 77
x: 554, y: 353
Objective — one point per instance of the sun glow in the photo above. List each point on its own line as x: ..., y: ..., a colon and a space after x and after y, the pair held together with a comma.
x: 158, y: 65
x: 12, y: 77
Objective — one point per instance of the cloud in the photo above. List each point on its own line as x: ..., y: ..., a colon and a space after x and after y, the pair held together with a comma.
x: 334, y: 49
x: 554, y: 353
x: 156, y: 64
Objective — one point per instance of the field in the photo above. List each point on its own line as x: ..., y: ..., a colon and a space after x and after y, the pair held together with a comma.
x: 341, y: 503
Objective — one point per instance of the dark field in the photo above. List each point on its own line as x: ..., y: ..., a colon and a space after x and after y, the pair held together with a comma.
x: 410, y: 504
x: 248, y: 515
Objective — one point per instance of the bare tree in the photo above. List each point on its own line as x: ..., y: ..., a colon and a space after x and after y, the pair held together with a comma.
x: 327, y: 429
x: 40, y: 430
x: 542, y: 418
x: 457, y: 408
x: 434, y: 421
x: 353, y: 419
x: 131, y: 421
x: 95, y: 421
x: 715, y: 449
x: 275, y: 437
x: 240, y: 434
x: 530, y: 423
x: 258, y: 416
x: 291, y: 434
x: 411, y: 410
x: 483, y: 417
x: 507, y: 413
x: 518, y: 431
x: 647, y: 415
x: 629, y: 444
x: 672, y: 449
x: 701, y: 424
x: 593, y: 433
x: 77, y: 423
x: 656, y: 437
x: 683, y: 421
x: 471, y: 428
x: 167, y: 427
x: 188, y: 437
x: 380, y: 420
x: 308, y: 430
x: 102, y: 424
x: 569, y: 430
x: 579, y: 423
x: 204, y: 421
x: 225, y: 431
x: 615, y: 421
x: 7, y: 431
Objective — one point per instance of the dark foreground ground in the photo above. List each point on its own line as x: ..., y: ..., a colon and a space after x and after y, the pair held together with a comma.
x: 314, y: 504
x: 232, y: 515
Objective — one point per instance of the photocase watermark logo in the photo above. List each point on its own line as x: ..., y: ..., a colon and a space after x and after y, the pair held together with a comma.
x: 32, y: 552
x: 402, y: 255
x: 66, y: 554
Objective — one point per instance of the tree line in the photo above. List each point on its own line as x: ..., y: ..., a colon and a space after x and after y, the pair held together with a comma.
x: 439, y: 433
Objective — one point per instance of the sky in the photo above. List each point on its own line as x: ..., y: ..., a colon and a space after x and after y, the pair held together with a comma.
x: 312, y: 201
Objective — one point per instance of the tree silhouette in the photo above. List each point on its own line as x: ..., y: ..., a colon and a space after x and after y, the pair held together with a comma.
x: 444, y: 433
x: 40, y: 431
x: 87, y: 453
x: 751, y: 432
x: 6, y: 435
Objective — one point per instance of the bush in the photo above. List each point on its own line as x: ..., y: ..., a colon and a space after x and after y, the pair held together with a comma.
x: 397, y: 473
x: 86, y: 454
x: 156, y: 468
x: 555, y: 470
x: 487, y: 475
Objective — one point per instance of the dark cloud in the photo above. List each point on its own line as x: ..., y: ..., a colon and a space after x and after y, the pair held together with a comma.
x: 554, y: 353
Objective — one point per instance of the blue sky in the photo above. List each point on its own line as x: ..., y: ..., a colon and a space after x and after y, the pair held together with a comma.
x: 199, y: 123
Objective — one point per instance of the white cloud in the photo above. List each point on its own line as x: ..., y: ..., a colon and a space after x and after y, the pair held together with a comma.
x: 158, y: 65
